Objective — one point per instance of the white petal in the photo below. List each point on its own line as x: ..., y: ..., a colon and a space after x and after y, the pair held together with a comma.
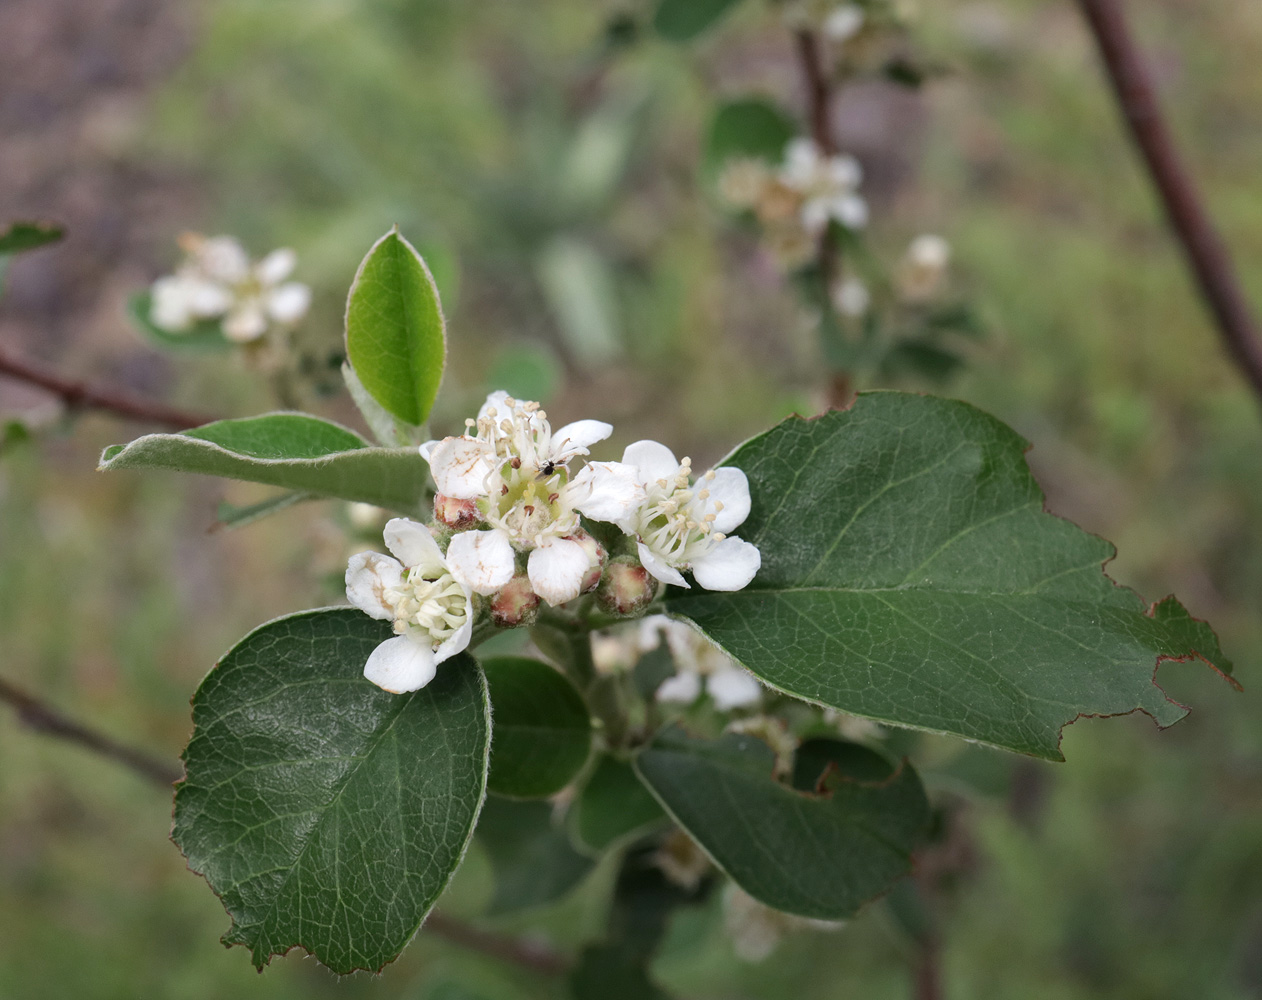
x: 606, y: 491
x: 729, y: 487
x: 850, y: 210
x: 481, y: 560
x: 170, y: 307
x: 653, y: 460
x: 224, y: 259
x: 730, y: 565
x: 428, y: 448
x: 246, y: 322
x: 801, y: 161
x: 495, y: 401
x: 576, y: 438
x: 845, y: 171
x: 289, y: 303
x: 276, y: 266
x: 556, y: 570
x: 658, y: 567
x: 460, y: 466
x: 368, y: 574
x: 682, y: 689
x: 815, y: 214
x: 732, y: 687
x: 206, y: 299
x: 412, y: 544
x: 458, y: 642
x: 400, y: 665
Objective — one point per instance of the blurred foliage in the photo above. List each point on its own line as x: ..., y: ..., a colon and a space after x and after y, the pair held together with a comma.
x: 553, y: 151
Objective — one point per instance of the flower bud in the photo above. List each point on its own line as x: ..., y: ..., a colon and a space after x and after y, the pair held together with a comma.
x: 515, y: 604
x: 459, y: 515
x: 596, y: 555
x: 627, y: 587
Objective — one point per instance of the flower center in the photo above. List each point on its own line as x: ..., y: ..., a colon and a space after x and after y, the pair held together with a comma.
x: 529, y: 503
x: 677, y: 519
x: 521, y: 431
x: 432, y: 607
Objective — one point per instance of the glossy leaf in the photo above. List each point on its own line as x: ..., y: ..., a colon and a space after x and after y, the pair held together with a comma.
x: 395, y: 335
x: 614, y: 804
x: 748, y: 128
x: 684, y: 20
x: 19, y: 236
x: 816, y: 855
x: 543, y: 731
x: 326, y: 813
x: 206, y: 335
x: 910, y: 575
x: 290, y: 450
x: 530, y: 855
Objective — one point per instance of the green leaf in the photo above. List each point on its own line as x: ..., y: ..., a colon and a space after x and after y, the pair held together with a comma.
x: 607, y: 972
x: 911, y: 575
x: 19, y: 236
x: 816, y: 855
x: 231, y: 516
x: 324, y: 812
x: 206, y: 335
x: 684, y: 20
x: 290, y: 450
x: 613, y: 805
x: 390, y: 431
x: 749, y: 128
x: 543, y: 731
x: 395, y: 336
x: 531, y: 856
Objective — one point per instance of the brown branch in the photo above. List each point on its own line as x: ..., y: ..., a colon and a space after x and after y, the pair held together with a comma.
x: 1206, y: 253
x: 79, y: 395
x: 45, y: 719
x: 536, y: 957
x: 819, y: 89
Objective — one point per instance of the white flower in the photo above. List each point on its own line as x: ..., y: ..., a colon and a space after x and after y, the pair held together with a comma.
x: 756, y: 929
x: 851, y: 297
x: 432, y: 611
x: 828, y: 186
x: 843, y: 23
x: 264, y: 297
x: 516, y: 469
x: 699, y: 666
x: 924, y: 266
x: 682, y: 526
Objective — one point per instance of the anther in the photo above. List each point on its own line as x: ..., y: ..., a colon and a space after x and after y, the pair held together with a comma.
x: 516, y: 462
x: 504, y: 490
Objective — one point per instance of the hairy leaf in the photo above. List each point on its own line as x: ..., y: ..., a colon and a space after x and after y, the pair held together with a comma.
x: 543, y: 731
x: 910, y: 575
x: 817, y: 855
x: 612, y: 805
x: 290, y: 450
x: 328, y: 814
x: 395, y: 336
x: 684, y: 20
x: 530, y: 854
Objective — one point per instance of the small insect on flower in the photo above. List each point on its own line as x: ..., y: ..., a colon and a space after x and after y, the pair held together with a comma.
x: 432, y: 612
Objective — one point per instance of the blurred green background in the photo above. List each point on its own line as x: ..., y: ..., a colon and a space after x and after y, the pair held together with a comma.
x: 549, y: 169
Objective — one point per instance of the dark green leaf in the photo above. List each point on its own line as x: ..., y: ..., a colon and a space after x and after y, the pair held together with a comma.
x: 290, y: 450
x: 819, y: 856
x: 684, y: 20
x: 652, y: 669
x: 910, y: 575
x: 19, y: 236
x: 206, y: 335
x: 543, y: 732
x: 395, y: 336
x: 613, y: 804
x: 607, y: 972
x: 752, y: 128
x: 530, y: 854
x: 326, y: 813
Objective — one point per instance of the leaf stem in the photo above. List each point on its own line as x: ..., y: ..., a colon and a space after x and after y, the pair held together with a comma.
x: 80, y: 395
x: 517, y: 951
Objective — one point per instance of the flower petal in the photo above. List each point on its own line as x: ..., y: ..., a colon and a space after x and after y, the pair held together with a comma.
x: 289, y: 303
x: 495, y: 401
x: 458, y: 642
x: 730, y: 565
x: 576, y: 438
x: 400, y: 665
x: 368, y: 575
x: 850, y: 210
x: 658, y: 567
x: 682, y: 689
x: 730, y: 487
x: 556, y: 570
x: 412, y: 544
x: 481, y: 560
x: 607, y: 491
x: 245, y: 322
x: 276, y: 266
x: 731, y: 687
x: 654, y: 461
x: 460, y: 466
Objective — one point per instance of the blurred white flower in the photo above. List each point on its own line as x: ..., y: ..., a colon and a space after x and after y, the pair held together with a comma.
x: 851, y: 297
x: 923, y: 269
x: 844, y: 22
x: 699, y: 665
x: 828, y: 186
x: 756, y: 929
x: 432, y: 612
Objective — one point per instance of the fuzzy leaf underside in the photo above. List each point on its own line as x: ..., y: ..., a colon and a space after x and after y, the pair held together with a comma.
x: 290, y: 450
x: 911, y: 575
x: 328, y: 814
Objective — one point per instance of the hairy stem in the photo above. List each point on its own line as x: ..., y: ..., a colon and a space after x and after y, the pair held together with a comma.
x: 1204, y: 249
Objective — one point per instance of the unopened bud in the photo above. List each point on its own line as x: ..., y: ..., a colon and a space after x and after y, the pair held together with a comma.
x: 456, y: 514
x: 596, y: 556
x: 515, y: 604
x: 627, y: 588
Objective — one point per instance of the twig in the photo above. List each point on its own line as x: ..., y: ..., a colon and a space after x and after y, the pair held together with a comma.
x: 45, y: 719
x: 819, y: 89
x: 536, y: 957
x: 78, y: 395
x: 1205, y: 251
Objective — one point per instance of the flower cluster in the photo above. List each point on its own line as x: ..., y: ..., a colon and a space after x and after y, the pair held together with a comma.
x: 217, y: 281
x: 796, y: 201
x: 509, y: 509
